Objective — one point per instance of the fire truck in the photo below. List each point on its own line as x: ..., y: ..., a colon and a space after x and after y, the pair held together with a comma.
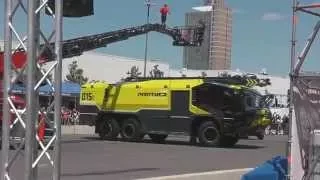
x: 182, y: 36
x: 211, y: 110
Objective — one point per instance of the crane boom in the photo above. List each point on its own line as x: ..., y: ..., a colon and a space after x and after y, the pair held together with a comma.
x: 75, y: 47
x: 182, y: 36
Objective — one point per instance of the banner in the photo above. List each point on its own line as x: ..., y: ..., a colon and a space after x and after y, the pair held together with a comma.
x: 306, y: 99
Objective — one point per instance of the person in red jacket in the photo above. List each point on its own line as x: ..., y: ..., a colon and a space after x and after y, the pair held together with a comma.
x: 42, y: 125
x: 164, y: 11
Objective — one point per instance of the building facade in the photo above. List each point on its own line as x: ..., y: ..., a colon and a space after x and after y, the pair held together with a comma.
x: 215, y: 52
x: 197, y: 57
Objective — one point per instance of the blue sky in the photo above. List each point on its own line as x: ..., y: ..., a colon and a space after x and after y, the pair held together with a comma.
x: 261, y: 31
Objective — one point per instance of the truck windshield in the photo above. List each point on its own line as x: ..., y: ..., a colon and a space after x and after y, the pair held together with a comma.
x: 253, y: 100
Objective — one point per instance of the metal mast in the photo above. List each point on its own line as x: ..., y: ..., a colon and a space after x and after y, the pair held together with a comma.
x: 28, y: 118
x: 148, y: 3
x: 303, y: 111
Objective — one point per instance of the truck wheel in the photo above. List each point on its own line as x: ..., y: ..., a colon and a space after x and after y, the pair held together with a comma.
x: 158, y: 138
x: 109, y: 129
x: 209, y: 134
x: 131, y: 130
x: 260, y: 136
x: 229, y: 141
x: 260, y: 133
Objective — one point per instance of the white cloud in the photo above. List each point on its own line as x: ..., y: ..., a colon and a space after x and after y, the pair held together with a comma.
x: 272, y: 16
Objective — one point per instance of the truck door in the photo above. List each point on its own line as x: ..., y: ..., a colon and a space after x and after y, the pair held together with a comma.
x: 153, y: 98
x: 180, y: 119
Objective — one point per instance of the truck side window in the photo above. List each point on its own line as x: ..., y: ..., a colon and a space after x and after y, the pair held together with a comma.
x: 249, y: 101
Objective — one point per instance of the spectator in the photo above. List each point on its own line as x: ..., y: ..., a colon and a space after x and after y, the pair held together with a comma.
x: 75, y: 116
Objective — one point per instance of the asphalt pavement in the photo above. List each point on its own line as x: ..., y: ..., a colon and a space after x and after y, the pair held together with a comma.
x: 86, y: 157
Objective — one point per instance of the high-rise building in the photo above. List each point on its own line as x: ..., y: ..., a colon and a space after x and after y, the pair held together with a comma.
x: 215, y: 51
x: 207, y: 2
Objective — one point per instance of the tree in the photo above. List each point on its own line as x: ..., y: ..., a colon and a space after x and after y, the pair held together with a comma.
x: 156, y: 73
x: 224, y: 74
x: 76, y: 74
x: 134, y: 72
x: 203, y: 74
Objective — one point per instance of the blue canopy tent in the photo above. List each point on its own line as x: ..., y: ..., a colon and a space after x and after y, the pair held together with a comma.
x: 67, y: 89
x: 18, y: 89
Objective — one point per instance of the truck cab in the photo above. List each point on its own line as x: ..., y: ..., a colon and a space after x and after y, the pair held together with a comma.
x: 241, y: 107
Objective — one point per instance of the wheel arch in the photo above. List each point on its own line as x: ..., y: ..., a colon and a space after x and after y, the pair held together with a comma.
x: 197, y: 121
x: 216, y: 117
x: 120, y: 117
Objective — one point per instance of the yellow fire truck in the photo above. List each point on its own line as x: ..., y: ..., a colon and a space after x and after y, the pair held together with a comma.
x: 211, y: 110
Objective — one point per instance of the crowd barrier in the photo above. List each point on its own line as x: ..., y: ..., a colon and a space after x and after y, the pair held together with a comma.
x: 274, y: 169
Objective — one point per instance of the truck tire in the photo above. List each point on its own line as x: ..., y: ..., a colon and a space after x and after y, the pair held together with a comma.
x: 260, y: 136
x: 131, y: 130
x: 109, y: 129
x: 209, y: 134
x: 229, y: 141
x: 158, y: 138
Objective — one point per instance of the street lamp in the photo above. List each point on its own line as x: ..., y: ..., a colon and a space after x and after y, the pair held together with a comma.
x: 148, y: 3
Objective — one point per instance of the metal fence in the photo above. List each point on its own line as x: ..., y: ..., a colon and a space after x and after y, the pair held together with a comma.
x: 304, y: 105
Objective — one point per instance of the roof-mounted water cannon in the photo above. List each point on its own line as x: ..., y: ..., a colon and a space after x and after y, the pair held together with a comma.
x: 249, y: 80
x: 73, y: 8
x: 253, y: 80
x: 264, y: 82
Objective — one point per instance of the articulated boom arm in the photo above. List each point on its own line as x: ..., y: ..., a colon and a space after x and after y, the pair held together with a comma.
x: 182, y: 36
x: 186, y: 36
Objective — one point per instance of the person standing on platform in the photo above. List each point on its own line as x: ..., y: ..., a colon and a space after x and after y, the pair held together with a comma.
x: 164, y: 11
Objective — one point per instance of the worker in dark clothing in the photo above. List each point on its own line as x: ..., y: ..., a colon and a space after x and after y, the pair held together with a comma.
x: 164, y: 12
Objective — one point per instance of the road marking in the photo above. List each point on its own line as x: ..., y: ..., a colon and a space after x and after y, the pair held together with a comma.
x: 198, y: 174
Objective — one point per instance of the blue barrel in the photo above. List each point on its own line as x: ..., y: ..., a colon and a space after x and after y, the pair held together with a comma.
x: 275, y: 169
